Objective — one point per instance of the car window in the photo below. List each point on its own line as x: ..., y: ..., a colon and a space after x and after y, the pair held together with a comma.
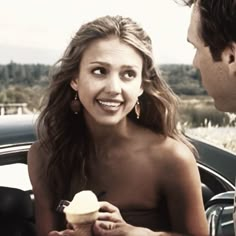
x: 15, y: 176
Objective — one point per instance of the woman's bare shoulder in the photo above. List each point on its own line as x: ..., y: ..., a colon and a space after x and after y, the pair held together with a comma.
x: 177, y: 149
x: 170, y: 152
x: 177, y: 160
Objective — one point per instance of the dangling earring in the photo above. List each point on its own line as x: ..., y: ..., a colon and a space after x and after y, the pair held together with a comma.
x: 75, y: 104
x: 137, y: 109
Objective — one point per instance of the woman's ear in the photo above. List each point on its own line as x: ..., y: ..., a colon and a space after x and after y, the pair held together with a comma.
x: 74, y: 84
x: 229, y: 58
x: 140, y: 92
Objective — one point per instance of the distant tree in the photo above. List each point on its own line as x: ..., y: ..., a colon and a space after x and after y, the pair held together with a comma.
x: 4, y: 75
x: 26, y: 82
x: 183, y: 79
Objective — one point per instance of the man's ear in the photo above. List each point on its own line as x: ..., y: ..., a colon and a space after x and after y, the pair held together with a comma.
x: 74, y: 84
x: 229, y: 58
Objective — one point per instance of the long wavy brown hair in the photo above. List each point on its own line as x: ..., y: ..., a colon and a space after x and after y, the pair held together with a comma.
x: 65, y: 136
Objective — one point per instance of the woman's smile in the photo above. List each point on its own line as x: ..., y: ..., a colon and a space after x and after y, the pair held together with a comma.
x: 109, y: 105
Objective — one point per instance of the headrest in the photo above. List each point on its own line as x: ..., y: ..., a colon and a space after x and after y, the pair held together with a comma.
x: 15, y: 203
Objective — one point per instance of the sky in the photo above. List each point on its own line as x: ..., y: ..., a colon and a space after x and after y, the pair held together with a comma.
x: 38, y: 31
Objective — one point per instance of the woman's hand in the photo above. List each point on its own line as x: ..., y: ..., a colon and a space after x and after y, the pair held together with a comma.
x: 109, y: 212
x: 105, y: 228
x: 71, y: 232
x: 67, y: 232
x: 111, y: 223
x: 80, y: 230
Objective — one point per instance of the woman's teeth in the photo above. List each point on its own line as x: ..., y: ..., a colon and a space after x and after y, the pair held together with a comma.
x: 109, y: 104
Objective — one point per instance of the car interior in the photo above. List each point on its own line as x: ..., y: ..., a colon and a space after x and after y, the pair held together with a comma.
x: 16, y: 212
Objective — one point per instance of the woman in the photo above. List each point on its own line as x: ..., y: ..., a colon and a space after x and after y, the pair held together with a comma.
x: 108, y: 125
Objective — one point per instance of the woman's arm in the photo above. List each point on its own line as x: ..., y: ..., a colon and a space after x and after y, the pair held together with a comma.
x: 44, y: 216
x: 182, y: 188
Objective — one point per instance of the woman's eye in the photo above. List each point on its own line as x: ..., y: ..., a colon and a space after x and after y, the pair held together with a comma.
x: 130, y: 74
x: 99, y: 71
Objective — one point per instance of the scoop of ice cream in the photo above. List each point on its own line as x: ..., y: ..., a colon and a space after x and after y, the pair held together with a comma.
x: 83, y: 208
x: 83, y: 202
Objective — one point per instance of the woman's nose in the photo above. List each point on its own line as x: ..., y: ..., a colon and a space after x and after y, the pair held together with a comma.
x: 113, y: 84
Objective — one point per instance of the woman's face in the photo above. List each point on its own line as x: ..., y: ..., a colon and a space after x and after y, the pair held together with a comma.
x: 109, y: 80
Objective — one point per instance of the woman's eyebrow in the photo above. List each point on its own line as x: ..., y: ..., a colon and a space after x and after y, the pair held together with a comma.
x: 130, y: 66
x: 100, y: 62
x: 108, y: 64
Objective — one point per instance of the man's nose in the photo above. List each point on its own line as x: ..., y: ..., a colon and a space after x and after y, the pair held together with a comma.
x: 195, y: 62
x: 113, y: 84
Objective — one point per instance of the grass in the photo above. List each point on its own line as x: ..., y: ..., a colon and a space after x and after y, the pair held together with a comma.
x: 224, y: 138
x: 199, y: 117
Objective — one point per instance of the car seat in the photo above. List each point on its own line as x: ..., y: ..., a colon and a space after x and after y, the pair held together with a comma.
x: 16, y: 213
x: 207, y: 193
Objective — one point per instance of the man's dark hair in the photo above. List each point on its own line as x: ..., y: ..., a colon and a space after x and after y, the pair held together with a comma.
x: 218, y: 24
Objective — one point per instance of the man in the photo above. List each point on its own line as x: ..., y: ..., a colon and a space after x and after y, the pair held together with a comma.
x: 212, y: 31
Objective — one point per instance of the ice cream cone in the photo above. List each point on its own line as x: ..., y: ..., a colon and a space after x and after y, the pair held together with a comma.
x: 82, y: 212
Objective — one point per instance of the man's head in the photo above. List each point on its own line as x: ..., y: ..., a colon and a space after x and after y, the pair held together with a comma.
x: 212, y: 31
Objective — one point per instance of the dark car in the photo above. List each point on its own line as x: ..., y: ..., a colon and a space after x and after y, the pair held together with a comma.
x: 217, y: 169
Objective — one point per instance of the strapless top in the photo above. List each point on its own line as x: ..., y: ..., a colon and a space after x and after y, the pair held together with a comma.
x: 156, y: 219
